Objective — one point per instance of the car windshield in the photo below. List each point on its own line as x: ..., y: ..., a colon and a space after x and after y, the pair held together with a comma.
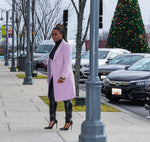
x: 101, y: 54
x: 43, y: 48
x: 45, y: 55
x: 142, y: 65
x: 125, y: 60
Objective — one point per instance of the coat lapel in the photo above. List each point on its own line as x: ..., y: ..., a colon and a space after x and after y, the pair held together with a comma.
x: 60, y: 47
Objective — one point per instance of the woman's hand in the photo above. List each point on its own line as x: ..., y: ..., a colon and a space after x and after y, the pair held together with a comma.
x: 60, y: 80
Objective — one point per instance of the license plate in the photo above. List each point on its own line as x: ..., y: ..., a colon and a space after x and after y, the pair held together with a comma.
x: 116, y: 91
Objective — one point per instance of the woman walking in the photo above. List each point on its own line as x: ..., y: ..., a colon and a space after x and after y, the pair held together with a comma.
x: 60, y: 77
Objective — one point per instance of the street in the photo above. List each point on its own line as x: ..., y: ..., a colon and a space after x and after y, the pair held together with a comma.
x: 136, y: 107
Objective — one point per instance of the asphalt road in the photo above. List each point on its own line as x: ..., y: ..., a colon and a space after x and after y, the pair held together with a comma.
x: 136, y: 107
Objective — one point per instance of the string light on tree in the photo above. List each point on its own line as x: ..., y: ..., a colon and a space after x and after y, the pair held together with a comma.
x: 127, y: 28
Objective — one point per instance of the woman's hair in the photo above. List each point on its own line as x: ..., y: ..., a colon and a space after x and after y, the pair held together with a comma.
x: 61, y: 29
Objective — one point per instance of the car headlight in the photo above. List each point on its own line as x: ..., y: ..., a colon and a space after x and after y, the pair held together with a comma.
x: 105, y: 80
x: 142, y: 82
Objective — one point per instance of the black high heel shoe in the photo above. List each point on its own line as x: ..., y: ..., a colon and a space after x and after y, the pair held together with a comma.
x: 50, y: 127
x: 66, y: 128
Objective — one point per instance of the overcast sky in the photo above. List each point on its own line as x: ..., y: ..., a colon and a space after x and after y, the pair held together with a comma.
x: 4, y: 4
x: 110, y: 5
x: 108, y: 11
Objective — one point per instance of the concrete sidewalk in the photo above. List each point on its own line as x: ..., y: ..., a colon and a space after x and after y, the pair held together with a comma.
x: 23, y: 115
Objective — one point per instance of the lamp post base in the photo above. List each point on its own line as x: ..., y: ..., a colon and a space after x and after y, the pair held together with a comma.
x: 13, y: 69
x: 6, y: 64
x: 28, y: 78
x: 92, y: 132
x: 27, y: 81
x: 92, y: 129
x: 34, y: 74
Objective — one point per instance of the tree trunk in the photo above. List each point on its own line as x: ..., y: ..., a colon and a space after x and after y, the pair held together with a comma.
x: 79, y: 43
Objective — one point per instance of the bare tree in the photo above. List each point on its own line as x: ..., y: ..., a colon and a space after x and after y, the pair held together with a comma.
x: 18, y: 22
x: 18, y: 17
x: 48, y: 14
x: 103, y: 35
x: 80, y: 38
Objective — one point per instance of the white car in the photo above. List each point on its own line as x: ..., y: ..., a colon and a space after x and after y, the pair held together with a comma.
x: 104, y: 54
x: 44, y: 47
x: 15, y: 54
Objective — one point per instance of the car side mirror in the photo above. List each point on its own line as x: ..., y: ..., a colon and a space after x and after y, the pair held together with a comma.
x: 109, y: 59
x: 126, y: 67
x: 107, y: 62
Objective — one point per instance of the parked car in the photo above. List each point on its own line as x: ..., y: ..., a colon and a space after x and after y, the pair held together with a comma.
x: 147, y: 97
x: 43, y: 48
x: 45, y: 64
x: 127, y: 84
x: 39, y: 61
x: 104, y: 54
x: 72, y: 43
x: 119, y: 62
x: 73, y: 55
x: 15, y: 54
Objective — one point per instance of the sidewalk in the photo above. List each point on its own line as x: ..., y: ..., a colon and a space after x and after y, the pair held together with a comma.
x: 23, y: 115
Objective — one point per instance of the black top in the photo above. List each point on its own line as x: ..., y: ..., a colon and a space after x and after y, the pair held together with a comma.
x: 52, y: 53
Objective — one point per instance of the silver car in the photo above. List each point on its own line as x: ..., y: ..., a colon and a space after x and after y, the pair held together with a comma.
x: 104, y: 54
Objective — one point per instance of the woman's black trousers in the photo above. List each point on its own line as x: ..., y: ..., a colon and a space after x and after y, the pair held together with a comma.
x: 53, y: 105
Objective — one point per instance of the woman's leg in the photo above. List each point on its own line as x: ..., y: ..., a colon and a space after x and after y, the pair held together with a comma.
x: 68, y: 110
x: 52, y: 103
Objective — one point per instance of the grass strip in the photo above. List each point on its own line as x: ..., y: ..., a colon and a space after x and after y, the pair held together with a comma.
x: 10, y: 67
x: 38, y: 76
x: 60, y: 106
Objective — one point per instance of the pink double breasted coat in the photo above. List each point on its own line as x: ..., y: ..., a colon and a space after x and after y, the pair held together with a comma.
x: 61, y: 65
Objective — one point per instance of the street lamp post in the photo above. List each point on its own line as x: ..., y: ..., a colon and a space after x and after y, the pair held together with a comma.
x: 6, y: 35
x: 1, y: 19
x: 92, y: 129
x: 6, y: 40
x: 28, y: 78
x: 13, y: 68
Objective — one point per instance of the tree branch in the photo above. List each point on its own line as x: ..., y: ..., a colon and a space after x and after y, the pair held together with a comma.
x: 75, y: 7
x: 87, y: 27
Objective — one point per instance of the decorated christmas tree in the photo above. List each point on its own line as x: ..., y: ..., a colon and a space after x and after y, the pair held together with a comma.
x: 127, y: 28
